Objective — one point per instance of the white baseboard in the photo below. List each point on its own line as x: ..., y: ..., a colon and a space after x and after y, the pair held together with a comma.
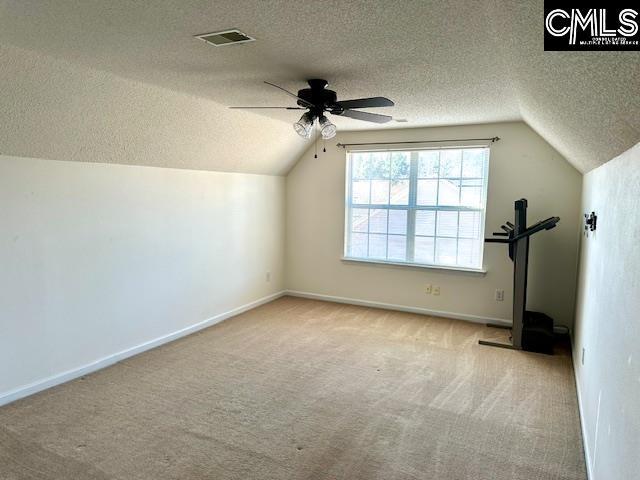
x: 405, y: 308
x: 585, y: 443
x: 57, y: 379
x: 400, y: 308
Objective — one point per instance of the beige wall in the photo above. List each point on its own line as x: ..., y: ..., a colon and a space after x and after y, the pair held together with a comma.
x: 101, y: 259
x: 608, y: 320
x: 522, y: 164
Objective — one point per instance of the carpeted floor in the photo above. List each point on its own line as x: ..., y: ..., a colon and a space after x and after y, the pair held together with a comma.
x: 302, y: 389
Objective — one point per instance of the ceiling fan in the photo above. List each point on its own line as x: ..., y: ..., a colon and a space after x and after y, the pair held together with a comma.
x: 317, y: 100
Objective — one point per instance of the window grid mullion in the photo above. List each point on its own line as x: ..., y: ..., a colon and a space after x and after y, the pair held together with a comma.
x: 458, y: 215
x: 369, y: 220
x: 368, y: 228
x: 437, y: 215
x: 418, y: 207
x: 411, y: 207
x: 386, y: 252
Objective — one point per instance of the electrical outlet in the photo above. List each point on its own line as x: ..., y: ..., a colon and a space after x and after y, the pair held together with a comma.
x: 427, y: 289
x: 436, y: 290
x: 499, y: 295
x: 268, y: 276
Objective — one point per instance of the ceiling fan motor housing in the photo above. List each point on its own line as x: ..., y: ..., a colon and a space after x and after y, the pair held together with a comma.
x: 318, y: 95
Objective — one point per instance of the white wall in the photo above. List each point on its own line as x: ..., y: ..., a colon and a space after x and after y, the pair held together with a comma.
x: 608, y: 320
x: 522, y: 164
x: 96, y: 259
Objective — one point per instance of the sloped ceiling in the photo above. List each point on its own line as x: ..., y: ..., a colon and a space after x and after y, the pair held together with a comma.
x: 56, y: 110
x: 442, y: 63
x: 585, y: 104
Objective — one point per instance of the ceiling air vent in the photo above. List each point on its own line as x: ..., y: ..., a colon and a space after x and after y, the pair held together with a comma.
x: 228, y: 37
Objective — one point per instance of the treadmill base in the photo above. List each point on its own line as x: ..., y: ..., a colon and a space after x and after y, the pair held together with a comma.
x: 498, y: 344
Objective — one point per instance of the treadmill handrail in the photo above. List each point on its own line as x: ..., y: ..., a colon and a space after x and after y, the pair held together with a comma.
x: 547, y: 224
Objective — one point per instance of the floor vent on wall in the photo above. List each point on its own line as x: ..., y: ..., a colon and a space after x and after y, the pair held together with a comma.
x: 227, y: 37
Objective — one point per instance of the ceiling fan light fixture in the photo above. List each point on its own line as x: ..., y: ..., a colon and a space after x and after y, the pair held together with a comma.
x: 327, y: 129
x: 304, y: 126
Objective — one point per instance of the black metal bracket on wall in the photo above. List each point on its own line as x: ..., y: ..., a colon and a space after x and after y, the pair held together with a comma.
x: 590, y: 221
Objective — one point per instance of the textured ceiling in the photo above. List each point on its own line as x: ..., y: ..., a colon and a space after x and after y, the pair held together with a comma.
x: 56, y: 110
x: 442, y: 63
x: 585, y: 104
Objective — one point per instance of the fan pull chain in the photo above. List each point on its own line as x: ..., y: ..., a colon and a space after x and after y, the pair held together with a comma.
x: 324, y: 145
x: 315, y: 146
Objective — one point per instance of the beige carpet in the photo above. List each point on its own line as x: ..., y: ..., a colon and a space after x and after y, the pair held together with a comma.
x: 301, y: 389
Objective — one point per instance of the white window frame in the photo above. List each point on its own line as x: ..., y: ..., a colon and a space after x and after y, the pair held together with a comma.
x: 411, y: 207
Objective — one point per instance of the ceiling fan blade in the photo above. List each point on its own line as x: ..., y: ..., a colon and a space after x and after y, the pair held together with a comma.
x: 366, y: 102
x: 281, y: 108
x: 367, y: 117
x: 302, y: 100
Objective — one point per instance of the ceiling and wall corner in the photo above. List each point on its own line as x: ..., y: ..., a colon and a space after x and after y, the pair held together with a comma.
x: 442, y: 63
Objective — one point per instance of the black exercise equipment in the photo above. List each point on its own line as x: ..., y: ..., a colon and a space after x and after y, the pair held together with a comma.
x: 531, y: 331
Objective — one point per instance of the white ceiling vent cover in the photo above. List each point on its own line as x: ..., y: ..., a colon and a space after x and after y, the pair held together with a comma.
x: 227, y: 37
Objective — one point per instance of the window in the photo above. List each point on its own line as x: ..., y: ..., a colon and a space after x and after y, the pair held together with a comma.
x: 422, y: 207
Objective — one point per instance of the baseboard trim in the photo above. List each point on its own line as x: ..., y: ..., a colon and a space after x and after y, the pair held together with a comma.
x: 63, y: 377
x: 583, y: 428
x: 560, y: 329
x: 400, y: 308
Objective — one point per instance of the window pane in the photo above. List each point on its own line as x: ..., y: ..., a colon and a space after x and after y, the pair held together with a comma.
x: 359, y: 220
x: 358, y: 247
x: 399, y: 192
x: 469, y: 253
x: 425, y: 222
x: 379, y: 165
x: 359, y: 165
x: 427, y: 192
x: 398, y: 221
x: 471, y: 193
x: 400, y: 164
x: 473, y: 163
x: 471, y: 197
x: 360, y: 192
x: 423, y: 250
x: 449, y: 192
x: 428, y: 164
x: 377, y: 246
x: 369, y: 165
x: 378, y: 221
x: 469, y: 226
x: 446, y: 251
x: 450, y: 163
x: 447, y: 224
x: 397, y: 247
x: 380, y: 192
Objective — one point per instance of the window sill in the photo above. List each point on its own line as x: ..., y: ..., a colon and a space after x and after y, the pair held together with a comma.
x: 472, y: 271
